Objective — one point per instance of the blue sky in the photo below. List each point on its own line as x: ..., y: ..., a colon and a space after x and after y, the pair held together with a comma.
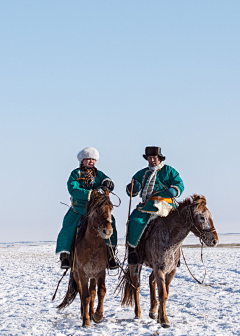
x: 119, y: 76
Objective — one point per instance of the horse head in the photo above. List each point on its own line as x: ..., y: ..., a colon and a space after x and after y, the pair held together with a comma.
x: 98, y: 211
x: 199, y: 219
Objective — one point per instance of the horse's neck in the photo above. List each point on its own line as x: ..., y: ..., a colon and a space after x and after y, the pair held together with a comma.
x: 178, y: 230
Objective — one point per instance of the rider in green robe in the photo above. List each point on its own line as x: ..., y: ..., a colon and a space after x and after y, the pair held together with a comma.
x: 159, y: 184
x: 80, y: 184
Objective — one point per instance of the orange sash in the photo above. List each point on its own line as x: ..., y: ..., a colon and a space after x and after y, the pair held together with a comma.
x: 158, y: 198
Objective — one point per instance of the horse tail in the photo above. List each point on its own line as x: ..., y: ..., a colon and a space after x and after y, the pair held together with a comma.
x: 126, y: 289
x: 71, y: 293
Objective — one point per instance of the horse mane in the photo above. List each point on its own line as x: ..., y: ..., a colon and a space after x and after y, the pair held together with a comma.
x: 197, y: 201
x: 97, y: 201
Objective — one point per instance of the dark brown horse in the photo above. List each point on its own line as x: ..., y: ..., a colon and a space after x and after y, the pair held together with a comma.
x: 90, y: 259
x: 162, y: 253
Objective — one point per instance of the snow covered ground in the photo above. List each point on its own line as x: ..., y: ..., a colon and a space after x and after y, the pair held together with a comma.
x: 224, y: 238
x: 227, y: 238
x: 29, y: 275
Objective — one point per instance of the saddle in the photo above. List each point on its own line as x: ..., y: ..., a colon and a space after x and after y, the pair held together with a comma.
x: 80, y: 231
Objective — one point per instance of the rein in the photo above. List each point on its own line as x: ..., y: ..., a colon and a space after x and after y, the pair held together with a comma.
x: 126, y: 276
x: 54, y: 295
x: 202, y: 236
x: 202, y: 232
x: 119, y: 199
x: 205, y: 271
x: 100, y: 190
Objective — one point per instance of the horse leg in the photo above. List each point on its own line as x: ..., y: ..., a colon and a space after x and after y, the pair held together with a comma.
x: 85, y: 300
x: 81, y: 308
x: 162, y: 296
x: 168, y: 279
x: 80, y: 294
x: 135, y: 271
x: 79, y: 287
x: 153, y: 298
x: 92, y: 290
x: 98, y: 315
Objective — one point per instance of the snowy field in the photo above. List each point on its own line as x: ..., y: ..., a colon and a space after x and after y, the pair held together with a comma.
x: 29, y: 275
x: 224, y: 238
x: 227, y: 238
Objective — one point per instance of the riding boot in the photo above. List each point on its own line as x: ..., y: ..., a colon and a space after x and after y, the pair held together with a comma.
x: 132, y: 256
x: 64, y: 257
x: 112, y: 264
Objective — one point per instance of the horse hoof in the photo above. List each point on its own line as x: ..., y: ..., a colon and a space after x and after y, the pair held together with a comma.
x: 153, y: 316
x: 137, y: 317
x: 97, y: 318
x: 86, y: 325
x: 166, y: 325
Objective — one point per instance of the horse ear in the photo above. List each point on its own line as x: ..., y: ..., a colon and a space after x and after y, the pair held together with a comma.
x: 107, y: 192
x: 204, y: 201
x: 200, y: 202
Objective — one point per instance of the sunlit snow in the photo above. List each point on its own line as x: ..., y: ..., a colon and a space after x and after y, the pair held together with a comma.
x: 29, y: 275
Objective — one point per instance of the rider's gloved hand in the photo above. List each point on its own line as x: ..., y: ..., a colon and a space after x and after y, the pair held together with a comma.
x: 136, y: 187
x: 171, y: 192
x: 108, y: 184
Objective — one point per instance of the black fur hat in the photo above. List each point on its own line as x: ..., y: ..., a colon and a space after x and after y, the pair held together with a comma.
x: 152, y: 151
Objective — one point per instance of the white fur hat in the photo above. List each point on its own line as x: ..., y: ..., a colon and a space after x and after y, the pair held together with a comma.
x: 88, y: 153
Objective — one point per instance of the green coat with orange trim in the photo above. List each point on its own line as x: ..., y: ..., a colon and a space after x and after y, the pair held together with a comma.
x: 80, y: 194
x: 158, y: 202
x: 166, y: 177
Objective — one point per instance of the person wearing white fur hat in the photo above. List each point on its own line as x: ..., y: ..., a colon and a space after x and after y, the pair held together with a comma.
x: 80, y: 184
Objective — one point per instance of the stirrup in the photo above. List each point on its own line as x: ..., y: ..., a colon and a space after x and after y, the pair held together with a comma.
x: 64, y: 257
x: 133, y: 258
x: 65, y: 264
x: 111, y: 261
x: 112, y: 264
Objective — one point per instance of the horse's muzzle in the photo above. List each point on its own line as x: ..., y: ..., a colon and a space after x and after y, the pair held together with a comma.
x: 106, y: 233
x: 214, y: 242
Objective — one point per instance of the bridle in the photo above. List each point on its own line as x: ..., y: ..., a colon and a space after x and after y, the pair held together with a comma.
x: 101, y: 191
x: 107, y: 220
x: 99, y: 224
x: 202, y: 236
x: 189, y: 219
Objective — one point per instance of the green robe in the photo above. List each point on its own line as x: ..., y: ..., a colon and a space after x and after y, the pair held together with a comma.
x: 79, y: 196
x: 166, y: 177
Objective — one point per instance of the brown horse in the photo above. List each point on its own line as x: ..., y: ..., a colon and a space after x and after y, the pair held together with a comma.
x: 162, y: 253
x: 90, y: 259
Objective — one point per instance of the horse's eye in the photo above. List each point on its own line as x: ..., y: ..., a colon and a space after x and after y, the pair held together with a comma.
x: 202, y: 218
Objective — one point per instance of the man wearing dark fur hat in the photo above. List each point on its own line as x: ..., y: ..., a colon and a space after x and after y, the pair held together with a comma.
x: 159, y: 184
